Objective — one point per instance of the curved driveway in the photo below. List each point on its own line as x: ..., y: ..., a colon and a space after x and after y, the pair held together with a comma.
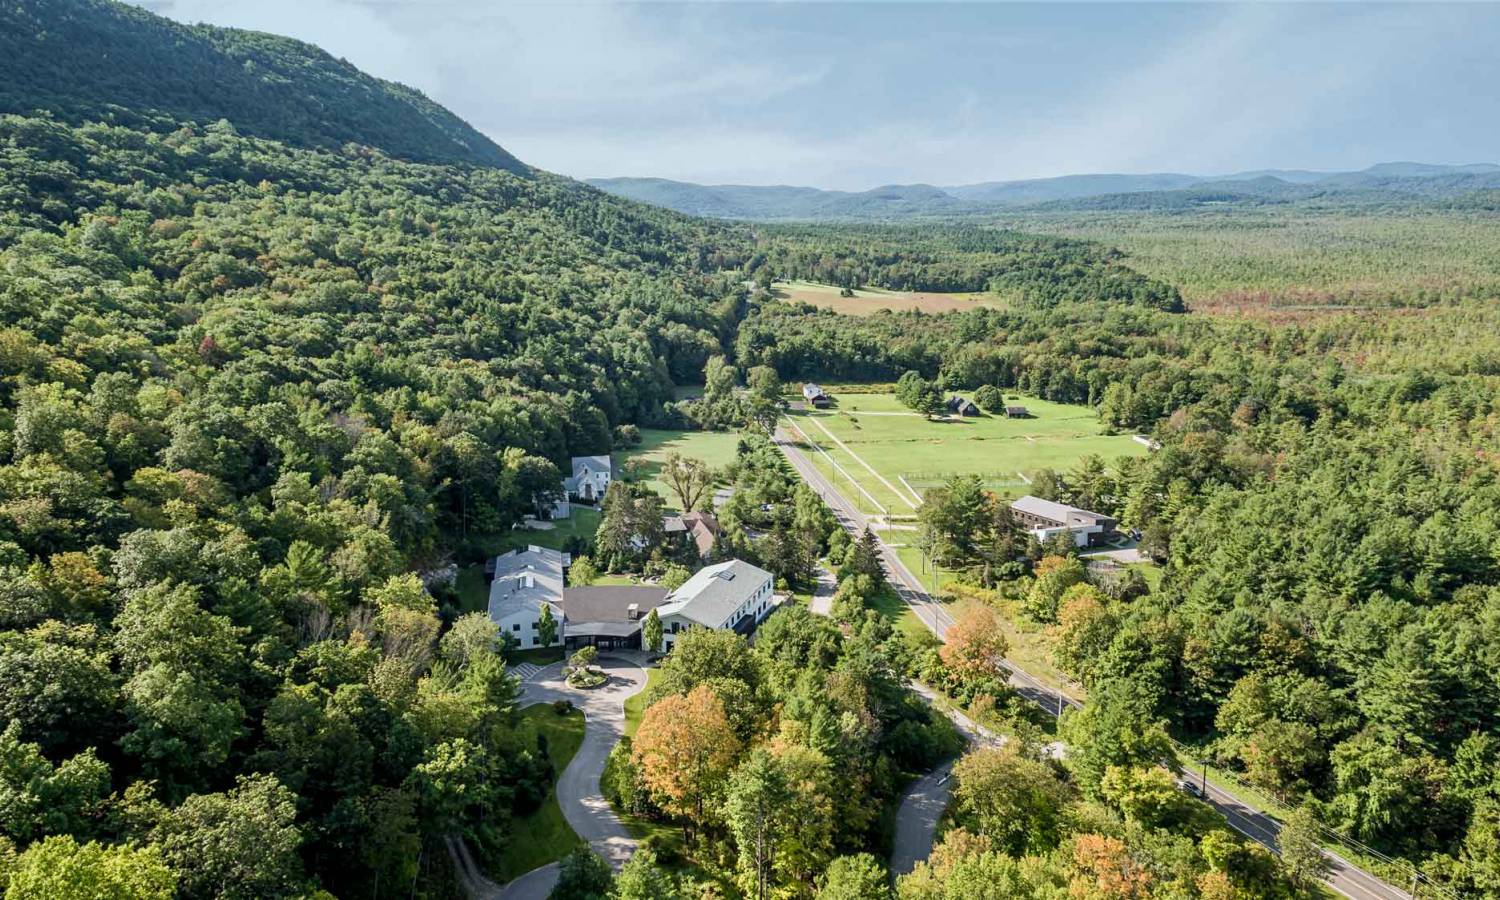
x: 578, y: 793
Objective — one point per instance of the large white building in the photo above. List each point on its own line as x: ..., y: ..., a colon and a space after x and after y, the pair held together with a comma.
x: 731, y: 595
x: 525, y: 581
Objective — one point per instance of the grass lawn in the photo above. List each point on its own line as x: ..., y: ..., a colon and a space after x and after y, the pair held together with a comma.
x: 894, y: 454
x: 544, y: 836
x: 869, y: 300
x: 582, y: 523
x: 890, y: 606
x: 635, y: 706
x: 716, y: 448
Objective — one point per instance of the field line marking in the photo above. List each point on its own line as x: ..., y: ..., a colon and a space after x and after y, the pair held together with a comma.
x: 833, y: 462
x: 859, y: 459
x: 902, y: 479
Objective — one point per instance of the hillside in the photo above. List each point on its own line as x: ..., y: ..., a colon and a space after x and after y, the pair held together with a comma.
x: 254, y: 381
x: 733, y: 201
x: 100, y: 60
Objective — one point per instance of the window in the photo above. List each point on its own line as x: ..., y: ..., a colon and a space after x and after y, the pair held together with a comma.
x: 516, y: 627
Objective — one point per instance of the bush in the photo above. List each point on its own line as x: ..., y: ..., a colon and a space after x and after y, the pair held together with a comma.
x: 562, y: 707
x: 583, y: 875
x: 586, y: 678
x: 989, y: 398
x: 664, y: 848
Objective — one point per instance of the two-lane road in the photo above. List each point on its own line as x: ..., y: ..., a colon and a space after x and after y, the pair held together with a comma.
x: 1343, y: 876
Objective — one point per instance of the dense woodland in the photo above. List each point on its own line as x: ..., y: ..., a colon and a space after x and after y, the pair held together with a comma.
x: 257, y: 379
x: 1033, y: 271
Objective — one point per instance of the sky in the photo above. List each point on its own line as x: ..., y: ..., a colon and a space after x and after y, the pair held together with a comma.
x: 854, y: 95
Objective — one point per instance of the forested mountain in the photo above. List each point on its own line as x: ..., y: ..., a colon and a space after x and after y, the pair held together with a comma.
x: 101, y: 60
x: 260, y: 376
x: 1409, y: 184
x: 733, y: 201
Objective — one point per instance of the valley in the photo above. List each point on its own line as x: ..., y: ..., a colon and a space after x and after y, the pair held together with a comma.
x: 381, y: 514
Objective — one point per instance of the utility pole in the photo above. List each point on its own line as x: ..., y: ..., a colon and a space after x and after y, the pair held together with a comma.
x: 1204, y: 784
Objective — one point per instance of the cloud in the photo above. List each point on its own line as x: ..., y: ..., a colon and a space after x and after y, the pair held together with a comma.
x: 852, y: 96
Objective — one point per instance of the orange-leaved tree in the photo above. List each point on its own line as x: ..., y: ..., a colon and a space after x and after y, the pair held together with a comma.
x: 975, y: 644
x: 684, y: 749
x: 1103, y: 869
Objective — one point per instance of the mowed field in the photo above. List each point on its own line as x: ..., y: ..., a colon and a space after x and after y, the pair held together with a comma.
x: 867, y: 301
x: 716, y: 448
x: 893, y: 455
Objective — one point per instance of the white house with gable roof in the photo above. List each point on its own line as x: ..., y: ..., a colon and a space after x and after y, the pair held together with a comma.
x: 590, y: 478
x: 525, y: 581
x: 731, y: 595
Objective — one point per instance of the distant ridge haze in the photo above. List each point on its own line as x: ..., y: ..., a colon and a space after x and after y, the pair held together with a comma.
x: 1393, y: 179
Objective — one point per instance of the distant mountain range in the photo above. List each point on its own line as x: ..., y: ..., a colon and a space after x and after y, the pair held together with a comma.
x: 1394, y: 182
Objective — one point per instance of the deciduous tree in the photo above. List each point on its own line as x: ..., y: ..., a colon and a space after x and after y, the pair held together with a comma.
x: 974, y: 643
x: 684, y: 749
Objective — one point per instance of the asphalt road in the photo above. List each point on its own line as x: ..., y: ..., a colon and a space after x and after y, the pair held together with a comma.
x: 578, y: 793
x: 1343, y: 876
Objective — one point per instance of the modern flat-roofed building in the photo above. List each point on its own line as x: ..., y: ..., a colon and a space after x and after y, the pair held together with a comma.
x: 1046, y: 518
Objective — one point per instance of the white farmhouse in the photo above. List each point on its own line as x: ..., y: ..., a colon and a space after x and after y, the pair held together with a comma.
x: 731, y: 595
x: 525, y: 581
x: 590, y: 478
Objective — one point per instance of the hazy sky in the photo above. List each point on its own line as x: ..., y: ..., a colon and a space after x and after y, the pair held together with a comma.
x: 856, y: 95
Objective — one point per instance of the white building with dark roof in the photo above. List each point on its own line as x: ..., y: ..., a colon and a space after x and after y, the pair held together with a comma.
x: 731, y: 595
x: 1045, y: 519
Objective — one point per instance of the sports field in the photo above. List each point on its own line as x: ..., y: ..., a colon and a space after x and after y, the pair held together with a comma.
x: 884, y: 456
x: 867, y: 301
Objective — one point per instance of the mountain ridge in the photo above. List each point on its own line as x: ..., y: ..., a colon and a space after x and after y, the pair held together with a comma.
x: 1382, y: 181
x: 51, y: 53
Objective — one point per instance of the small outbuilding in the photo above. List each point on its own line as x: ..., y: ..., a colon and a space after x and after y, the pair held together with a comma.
x: 815, y: 396
x: 962, y: 406
x: 1017, y: 412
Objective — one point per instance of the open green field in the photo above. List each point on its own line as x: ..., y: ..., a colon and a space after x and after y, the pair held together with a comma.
x: 717, y: 448
x: 544, y: 836
x: 892, y: 455
x: 869, y: 300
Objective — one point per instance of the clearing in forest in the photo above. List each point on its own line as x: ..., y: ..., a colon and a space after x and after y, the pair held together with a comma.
x: 878, y: 452
x: 867, y: 300
x: 716, y: 448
